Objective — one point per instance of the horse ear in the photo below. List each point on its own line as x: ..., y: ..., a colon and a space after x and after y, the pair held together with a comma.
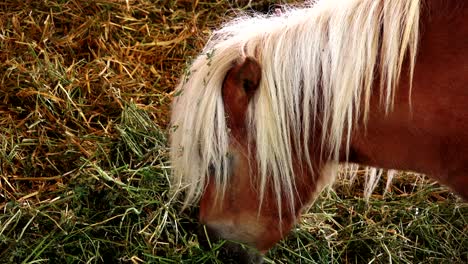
x: 240, y: 85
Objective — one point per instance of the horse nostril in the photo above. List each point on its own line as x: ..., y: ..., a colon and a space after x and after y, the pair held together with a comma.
x: 230, y: 252
x: 207, y: 236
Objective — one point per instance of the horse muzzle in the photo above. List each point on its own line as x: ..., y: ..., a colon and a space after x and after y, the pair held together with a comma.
x: 230, y: 251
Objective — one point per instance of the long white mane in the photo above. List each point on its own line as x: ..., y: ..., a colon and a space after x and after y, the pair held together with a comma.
x: 319, y: 59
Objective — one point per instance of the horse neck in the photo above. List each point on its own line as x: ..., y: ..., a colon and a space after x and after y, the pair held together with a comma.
x: 426, y: 131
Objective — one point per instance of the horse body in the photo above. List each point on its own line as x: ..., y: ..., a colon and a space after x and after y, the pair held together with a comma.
x: 263, y: 113
x: 427, y: 132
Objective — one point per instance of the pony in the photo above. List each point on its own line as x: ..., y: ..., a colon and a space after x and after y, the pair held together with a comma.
x: 274, y: 102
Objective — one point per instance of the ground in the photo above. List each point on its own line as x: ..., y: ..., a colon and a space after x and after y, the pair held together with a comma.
x: 85, y: 91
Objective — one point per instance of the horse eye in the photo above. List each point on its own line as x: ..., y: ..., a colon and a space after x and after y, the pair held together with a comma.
x: 212, y: 168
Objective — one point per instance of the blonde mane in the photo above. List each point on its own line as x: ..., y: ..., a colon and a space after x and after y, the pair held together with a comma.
x: 318, y: 59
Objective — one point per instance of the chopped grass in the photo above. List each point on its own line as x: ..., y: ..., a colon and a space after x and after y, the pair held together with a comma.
x: 426, y: 225
x: 85, y: 91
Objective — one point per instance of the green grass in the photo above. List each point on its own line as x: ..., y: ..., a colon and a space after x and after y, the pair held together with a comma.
x: 85, y: 91
x: 410, y: 228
